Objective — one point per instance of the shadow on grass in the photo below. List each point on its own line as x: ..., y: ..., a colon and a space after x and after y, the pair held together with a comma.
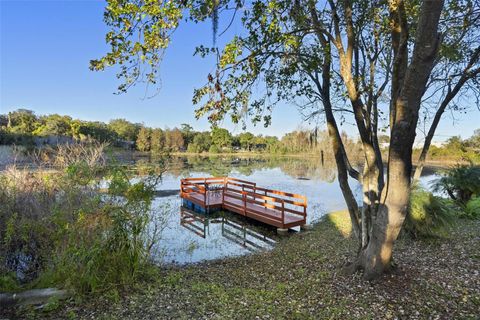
x: 340, y: 221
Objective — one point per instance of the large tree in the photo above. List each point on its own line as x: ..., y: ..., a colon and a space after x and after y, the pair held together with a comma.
x: 144, y: 142
x: 174, y: 140
x: 157, y: 140
x: 246, y: 140
x: 22, y: 121
x: 375, y: 62
x: 221, y: 138
x: 54, y: 124
x: 125, y: 129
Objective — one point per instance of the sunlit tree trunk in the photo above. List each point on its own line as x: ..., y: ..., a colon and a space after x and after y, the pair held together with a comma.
x: 385, y: 207
x: 392, y: 209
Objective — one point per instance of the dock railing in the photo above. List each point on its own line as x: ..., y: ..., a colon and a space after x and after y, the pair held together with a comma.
x: 252, y: 197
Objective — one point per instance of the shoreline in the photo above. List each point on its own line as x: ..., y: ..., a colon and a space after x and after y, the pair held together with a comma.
x: 431, y: 163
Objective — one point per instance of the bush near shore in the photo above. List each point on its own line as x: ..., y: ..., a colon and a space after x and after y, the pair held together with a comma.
x: 58, y: 229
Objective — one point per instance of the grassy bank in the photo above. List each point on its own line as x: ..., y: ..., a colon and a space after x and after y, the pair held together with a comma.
x: 300, y: 279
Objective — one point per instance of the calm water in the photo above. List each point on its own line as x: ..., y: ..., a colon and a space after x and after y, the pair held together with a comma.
x: 189, y: 237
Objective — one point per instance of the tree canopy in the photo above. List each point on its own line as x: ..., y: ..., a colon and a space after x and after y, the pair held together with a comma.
x: 124, y: 129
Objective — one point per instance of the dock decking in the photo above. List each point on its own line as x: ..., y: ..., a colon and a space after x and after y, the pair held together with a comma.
x: 277, y: 208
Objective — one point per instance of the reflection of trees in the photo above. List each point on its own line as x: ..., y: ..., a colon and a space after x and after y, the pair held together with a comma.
x: 155, y: 165
x: 221, y: 165
x: 311, y: 168
x: 245, y: 170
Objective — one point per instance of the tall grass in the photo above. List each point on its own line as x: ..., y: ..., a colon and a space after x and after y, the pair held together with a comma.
x: 57, y: 228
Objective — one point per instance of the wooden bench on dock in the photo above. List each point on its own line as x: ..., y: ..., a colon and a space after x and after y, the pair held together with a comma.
x: 280, y: 209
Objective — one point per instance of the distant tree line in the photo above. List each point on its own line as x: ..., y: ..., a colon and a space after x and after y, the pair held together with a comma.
x: 22, y: 126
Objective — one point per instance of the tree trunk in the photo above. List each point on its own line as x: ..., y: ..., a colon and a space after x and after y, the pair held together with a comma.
x: 376, y: 257
x: 428, y: 141
x: 388, y: 216
x: 343, y: 165
x: 343, y: 175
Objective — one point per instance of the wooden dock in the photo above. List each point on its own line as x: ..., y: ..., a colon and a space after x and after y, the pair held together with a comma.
x: 280, y: 209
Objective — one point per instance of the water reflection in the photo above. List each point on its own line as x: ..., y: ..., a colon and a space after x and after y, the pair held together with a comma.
x: 191, y: 237
x: 295, y: 167
x: 246, y: 237
x: 196, y: 223
x: 234, y: 230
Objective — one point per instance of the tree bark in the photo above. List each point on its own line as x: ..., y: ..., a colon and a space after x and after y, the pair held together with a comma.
x: 377, y: 255
x: 341, y: 159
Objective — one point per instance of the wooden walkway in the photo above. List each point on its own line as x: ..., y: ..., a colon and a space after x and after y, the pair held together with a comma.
x: 277, y: 208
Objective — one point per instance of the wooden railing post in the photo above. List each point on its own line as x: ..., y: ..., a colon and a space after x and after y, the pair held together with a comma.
x: 305, y: 208
x: 283, y: 211
x: 205, y: 198
x: 244, y: 203
x: 224, y: 190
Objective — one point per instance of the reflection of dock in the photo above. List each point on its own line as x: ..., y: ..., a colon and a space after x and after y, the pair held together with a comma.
x: 193, y: 222
x: 196, y: 222
x: 247, y: 238
x: 277, y: 208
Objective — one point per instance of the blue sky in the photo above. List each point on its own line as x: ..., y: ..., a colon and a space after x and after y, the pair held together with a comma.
x: 45, y: 48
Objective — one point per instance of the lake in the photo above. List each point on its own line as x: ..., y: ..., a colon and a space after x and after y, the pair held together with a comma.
x: 190, y: 237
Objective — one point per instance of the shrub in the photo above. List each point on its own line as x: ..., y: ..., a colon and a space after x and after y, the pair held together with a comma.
x: 22, y: 139
x: 57, y: 228
x: 428, y: 215
x: 108, y: 242
x: 472, y: 209
x: 214, y: 149
x: 461, y: 183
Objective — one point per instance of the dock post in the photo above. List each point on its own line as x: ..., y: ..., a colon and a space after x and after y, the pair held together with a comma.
x: 282, y: 232
x: 244, y: 195
x: 223, y: 190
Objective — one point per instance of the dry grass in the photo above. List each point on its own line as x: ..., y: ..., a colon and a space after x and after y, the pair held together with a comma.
x: 61, y: 156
